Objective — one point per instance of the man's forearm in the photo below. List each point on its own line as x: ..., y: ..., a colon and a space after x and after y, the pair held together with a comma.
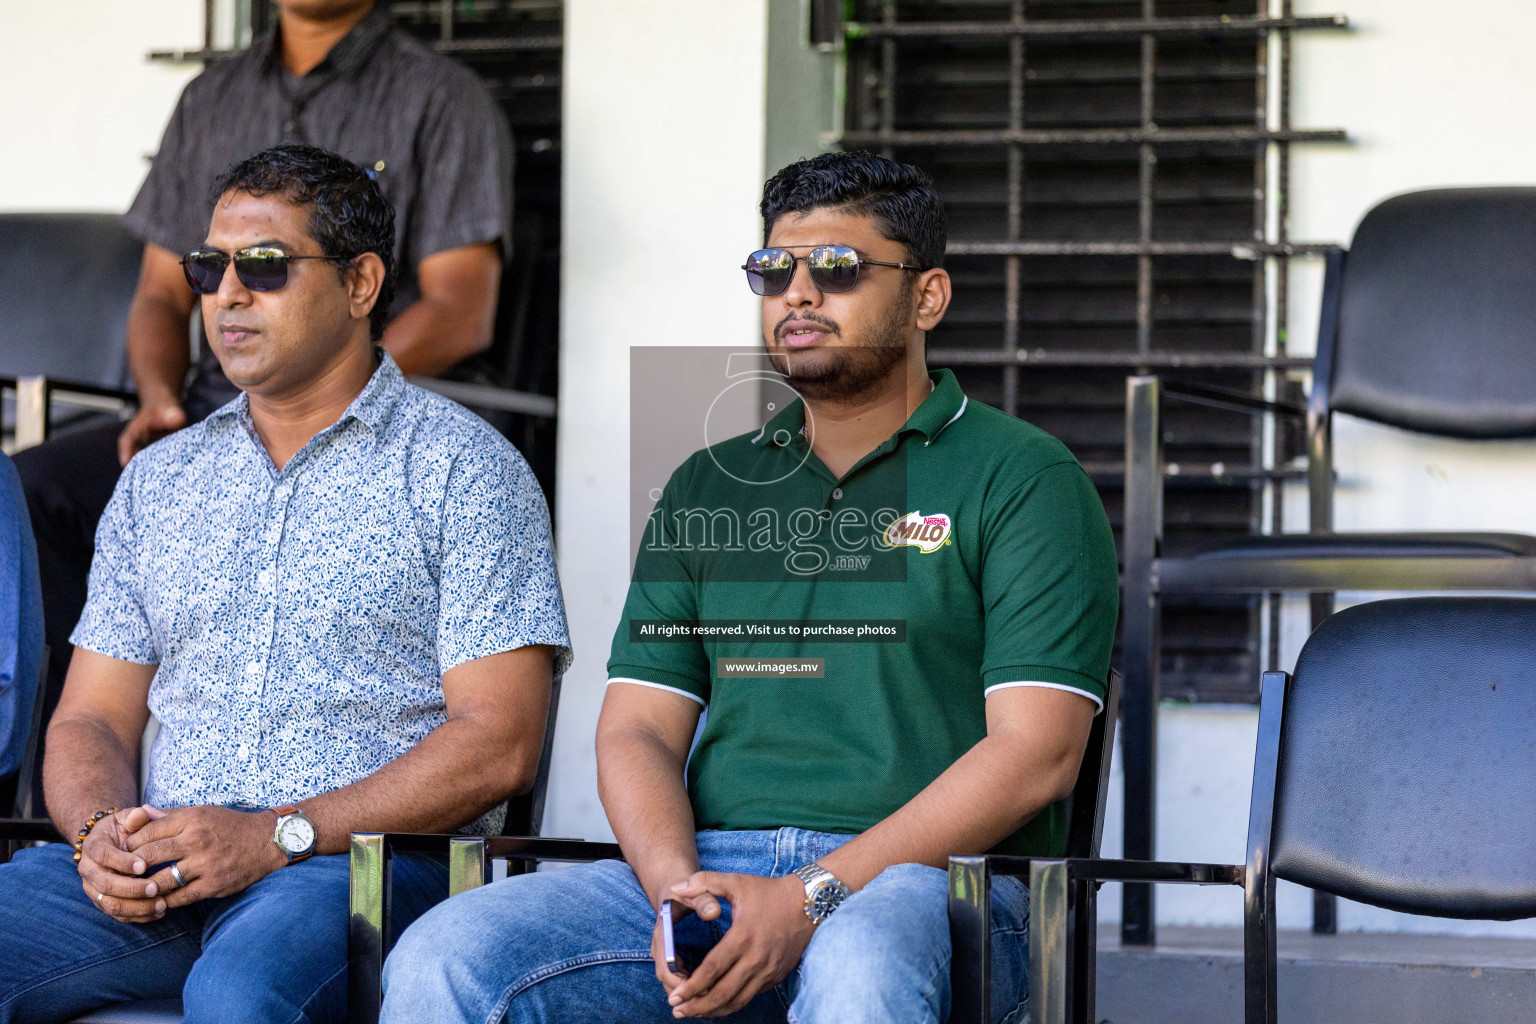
x: 458, y: 772
x: 431, y: 335
x: 640, y: 783
x: 88, y: 769
x: 977, y: 802
x: 158, y: 353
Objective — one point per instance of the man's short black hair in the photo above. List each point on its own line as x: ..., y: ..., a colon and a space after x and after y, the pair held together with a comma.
x: 900, y: 197
x: 348, y: 214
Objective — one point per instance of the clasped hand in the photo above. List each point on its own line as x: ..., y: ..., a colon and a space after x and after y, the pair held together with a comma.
x: 219, y: 852
x: 768, y: 934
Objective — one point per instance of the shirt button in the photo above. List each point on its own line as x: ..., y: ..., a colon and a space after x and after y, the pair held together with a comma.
x: 253, y: 668
x: 264, y: 577
x: 837, y: 494
x: 283, y: 490
x: 243, y: 752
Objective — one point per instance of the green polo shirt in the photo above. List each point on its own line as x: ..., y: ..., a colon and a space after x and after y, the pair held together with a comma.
x: 968, y: 552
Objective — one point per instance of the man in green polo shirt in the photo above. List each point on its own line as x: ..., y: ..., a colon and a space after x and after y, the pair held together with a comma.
x: 897, y: 606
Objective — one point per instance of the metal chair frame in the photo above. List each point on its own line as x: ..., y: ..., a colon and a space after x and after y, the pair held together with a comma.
x: 36, y: 397
x: 1074, y: 906
x: 469, y: 866
x: 1149, y: 576
x: 1061, y: 965
x: 470, y: 860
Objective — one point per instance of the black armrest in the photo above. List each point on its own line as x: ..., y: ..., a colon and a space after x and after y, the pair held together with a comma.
x: 28, y: 830
x: 1062, y: 922
x: 1230, y: 399
x: 469, y: 860
x: 1108, y: 870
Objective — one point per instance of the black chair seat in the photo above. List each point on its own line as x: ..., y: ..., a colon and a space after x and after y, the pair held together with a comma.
x: 1380, y: 545
x: 145, y: 1011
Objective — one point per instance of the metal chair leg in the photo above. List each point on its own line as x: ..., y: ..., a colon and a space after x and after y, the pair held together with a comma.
x: 368, y: 922
x: 467, y: 865
x: 1084, y: 974
x: 1049, y: 941
x: 1141, y: 650
x: 970, y: 904
x: 31, y: 411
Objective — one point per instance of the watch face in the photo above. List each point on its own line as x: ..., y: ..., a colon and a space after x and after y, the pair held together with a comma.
x: 296, y: 834
x: 828, y: 896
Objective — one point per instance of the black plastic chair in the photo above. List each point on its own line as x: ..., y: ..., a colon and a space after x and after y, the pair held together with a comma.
x: 970, y: 884
x: 66, y: 282
x: 1393, y: 769
x: 1428, y: 324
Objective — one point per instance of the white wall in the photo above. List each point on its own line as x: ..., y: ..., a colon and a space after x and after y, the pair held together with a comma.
x: 1428, y: 100
x: 663, y: 157
x: 83, y: 108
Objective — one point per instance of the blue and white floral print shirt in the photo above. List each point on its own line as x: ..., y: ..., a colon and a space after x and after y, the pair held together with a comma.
x: 302, y: 619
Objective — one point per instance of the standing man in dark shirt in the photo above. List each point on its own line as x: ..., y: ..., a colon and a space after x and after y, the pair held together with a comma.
x: 336, y: 75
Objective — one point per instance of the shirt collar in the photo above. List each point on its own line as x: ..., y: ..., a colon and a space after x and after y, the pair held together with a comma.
x: 350, y: 54
x: 377, y: 401
x: 372, y: 407
x: 941, y: 408
x: 945, y: 405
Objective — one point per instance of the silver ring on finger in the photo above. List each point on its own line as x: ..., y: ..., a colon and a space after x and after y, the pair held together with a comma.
x: 176, y: 874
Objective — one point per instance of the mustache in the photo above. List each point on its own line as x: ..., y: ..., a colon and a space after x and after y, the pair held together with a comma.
x: 812, y: 318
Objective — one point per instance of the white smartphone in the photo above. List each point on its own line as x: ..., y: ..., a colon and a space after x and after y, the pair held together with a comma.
x: 668, y: 943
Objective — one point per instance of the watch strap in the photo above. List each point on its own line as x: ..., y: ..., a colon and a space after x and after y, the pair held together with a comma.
x: 824, y: 891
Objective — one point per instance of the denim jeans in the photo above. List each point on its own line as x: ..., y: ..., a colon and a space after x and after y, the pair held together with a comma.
x: 572, y: 945
x: 275, y: 953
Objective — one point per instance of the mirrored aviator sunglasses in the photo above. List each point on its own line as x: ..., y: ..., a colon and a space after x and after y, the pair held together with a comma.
x: 259, y: 268
x: 833, y: 268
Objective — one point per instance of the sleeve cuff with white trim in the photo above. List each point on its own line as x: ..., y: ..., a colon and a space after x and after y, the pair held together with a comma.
x: 649, y: 675
x: 1098, y: 701
x: 1047, y: 675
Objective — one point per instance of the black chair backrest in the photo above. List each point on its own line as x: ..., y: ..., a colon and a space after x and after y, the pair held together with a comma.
x: 1407, y: 757
x: 1434, y: 324
x: 1085, y: 818
x: 525, y: 814
x: 66, y: 281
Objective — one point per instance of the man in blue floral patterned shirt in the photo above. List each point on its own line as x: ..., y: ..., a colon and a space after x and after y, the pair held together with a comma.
x: 338, y: 596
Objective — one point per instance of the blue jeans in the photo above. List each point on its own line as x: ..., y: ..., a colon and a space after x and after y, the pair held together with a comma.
x: 274, y: 953
x: 572, y: 945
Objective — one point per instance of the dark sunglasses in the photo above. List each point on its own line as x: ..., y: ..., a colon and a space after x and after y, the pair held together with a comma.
x: 834, y: 268
x: 260, y: 268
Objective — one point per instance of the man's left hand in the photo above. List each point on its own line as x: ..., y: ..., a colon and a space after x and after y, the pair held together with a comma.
x: 219, y: 852
x: 769, y: 931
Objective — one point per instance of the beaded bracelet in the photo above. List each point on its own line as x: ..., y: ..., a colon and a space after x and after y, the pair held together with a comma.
x: 90, y: 823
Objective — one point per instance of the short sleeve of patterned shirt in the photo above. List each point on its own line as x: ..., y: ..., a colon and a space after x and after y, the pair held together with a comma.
x: 302, y: 619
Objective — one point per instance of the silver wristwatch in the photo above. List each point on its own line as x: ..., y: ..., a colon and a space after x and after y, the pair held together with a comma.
x: 294, y: 835
x: 824, y: 893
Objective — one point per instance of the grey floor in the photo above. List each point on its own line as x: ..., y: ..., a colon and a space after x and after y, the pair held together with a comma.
x: 1194, y: 976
